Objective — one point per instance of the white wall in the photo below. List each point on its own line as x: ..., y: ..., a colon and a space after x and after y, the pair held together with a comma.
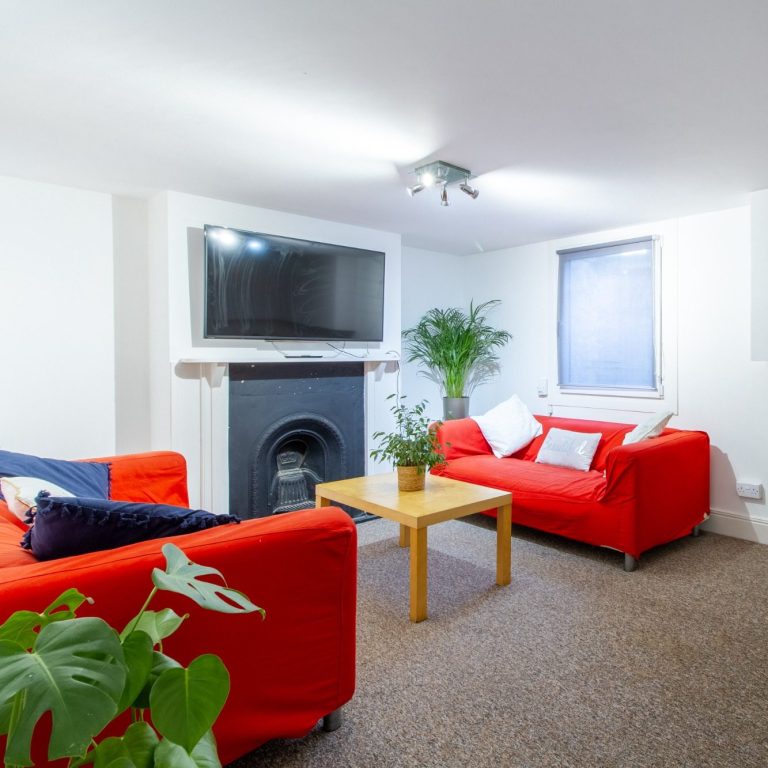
x: 132, y: 403
x: 719, y: 389
x: 519, y: 277
x: 430, y: 280
x: 759, y: 278
x: 56, y: 320
x: 722, y: 391
x: 189, y: 388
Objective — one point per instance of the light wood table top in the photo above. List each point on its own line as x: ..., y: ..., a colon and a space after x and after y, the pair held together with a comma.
x: 442, y: 499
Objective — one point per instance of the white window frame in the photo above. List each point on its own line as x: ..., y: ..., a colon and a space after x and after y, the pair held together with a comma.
x: 582, y: 402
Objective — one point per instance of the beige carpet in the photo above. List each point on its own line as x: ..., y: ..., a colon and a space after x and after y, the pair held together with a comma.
x: 577, y: 663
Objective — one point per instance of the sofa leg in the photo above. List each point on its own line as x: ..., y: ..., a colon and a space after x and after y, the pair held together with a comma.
x: 630, y: 563
x: 333, y: 720
x: 696, y: 530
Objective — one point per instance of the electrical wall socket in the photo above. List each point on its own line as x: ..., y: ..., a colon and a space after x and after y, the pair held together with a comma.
x: 749, y: 490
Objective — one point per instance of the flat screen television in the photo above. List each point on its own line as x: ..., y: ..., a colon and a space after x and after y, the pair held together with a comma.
x: 260, y: 286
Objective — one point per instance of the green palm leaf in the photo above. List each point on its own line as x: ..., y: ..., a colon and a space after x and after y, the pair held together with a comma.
x: 457, y: 349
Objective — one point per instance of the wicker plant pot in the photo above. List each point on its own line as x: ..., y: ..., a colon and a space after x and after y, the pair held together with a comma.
x: 411, y: 478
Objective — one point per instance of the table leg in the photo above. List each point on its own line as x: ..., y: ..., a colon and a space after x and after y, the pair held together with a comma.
x: 322, y: 502
x: 403, y: 535
x: 504, y: 544
x: 418, y: 540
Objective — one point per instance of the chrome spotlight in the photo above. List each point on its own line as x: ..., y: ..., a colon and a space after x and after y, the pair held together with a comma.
x: 469, y: 190
x: 440, y: 174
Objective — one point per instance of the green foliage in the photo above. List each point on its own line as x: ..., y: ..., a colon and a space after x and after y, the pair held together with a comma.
x: 85, y: 674
x: 186, y: 702
x: 414, y: 443
x: 76, y: 671
x: 182, y: 576
x: 458, y: 350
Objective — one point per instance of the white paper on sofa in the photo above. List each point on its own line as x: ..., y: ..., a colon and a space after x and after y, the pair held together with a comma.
x: 508, y: 427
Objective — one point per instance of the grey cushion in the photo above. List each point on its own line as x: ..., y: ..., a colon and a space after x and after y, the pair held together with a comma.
x: 564, y: 448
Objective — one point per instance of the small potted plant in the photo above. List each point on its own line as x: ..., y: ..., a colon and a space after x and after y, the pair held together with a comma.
x: 412, y: 447
x: 458, y: 350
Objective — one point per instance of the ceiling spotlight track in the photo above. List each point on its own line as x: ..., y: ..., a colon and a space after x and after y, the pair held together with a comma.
x: 441, y: 174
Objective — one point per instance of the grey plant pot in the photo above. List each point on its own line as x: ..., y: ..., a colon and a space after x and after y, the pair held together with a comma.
x: 455, y: 408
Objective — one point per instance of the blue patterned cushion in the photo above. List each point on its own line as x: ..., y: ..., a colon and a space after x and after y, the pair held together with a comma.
x: 64, y: 526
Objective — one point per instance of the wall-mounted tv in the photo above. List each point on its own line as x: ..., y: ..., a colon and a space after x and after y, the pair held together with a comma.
x: 260, y: 286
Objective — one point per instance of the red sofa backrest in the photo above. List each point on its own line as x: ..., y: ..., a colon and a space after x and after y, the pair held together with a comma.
x: 159, y: 477
x: 613, y: 434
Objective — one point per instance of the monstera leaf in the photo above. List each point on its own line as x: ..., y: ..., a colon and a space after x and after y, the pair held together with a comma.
x: 22, y: 627
x: 204, y: 755
x: 160, y: 662
x: 76, y: 671
x: 182, y: 576
x: 137, y: 650
x: 186, y: 702
x: 157, y: 624
x: 135, y: 749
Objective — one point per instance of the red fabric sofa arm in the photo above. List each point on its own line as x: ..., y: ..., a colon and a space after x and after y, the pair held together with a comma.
x: 664, y: 485
x: 461, y: 437
x: 287, y: 670
x: 158, y: 477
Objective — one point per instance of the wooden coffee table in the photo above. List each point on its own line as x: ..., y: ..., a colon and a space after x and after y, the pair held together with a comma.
x: 442, y: 499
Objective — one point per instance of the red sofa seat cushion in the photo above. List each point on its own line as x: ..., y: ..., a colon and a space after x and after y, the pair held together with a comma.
x: 11, y: 553
x: 528, y: 479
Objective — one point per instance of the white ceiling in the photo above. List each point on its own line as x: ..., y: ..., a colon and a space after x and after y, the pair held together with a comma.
x: 575, y: 115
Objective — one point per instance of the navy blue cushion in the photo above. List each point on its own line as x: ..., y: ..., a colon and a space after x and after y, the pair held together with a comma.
x: 81, y: 478
x: 72, y: 526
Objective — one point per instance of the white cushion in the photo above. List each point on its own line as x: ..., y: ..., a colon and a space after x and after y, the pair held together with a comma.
x: 508, y: 427
x: 564, y: 448
x: 20, y: 493
x: 653, y: 426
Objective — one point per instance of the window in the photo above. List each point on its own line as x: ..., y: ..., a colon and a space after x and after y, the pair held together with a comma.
x: 609, y: 319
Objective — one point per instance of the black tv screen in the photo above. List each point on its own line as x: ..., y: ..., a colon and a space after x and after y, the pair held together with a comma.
x: 260, y: 286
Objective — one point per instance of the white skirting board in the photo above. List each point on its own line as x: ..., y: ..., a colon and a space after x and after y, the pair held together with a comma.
x: 738, y: 526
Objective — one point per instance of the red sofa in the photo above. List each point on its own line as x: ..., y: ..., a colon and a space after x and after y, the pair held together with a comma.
x: 288, y: 670
x: 633, y: 498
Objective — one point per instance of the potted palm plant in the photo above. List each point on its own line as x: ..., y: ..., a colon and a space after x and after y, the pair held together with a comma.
x: 412, y: 447
x: 459, y: 350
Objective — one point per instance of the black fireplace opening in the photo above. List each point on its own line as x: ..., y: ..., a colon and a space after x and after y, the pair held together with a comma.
x: 292, y: 426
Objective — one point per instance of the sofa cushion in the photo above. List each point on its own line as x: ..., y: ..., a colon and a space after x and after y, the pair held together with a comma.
x: 7, y: 516
x: 612, y: 435
x: 564, y: 448
x: 83, y: 478
x: 73, y: 526
x: 508, y: 427
x: 20, y: 493
x: 528, y: 478
x: 653, y: 426
x: 11, y: 554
